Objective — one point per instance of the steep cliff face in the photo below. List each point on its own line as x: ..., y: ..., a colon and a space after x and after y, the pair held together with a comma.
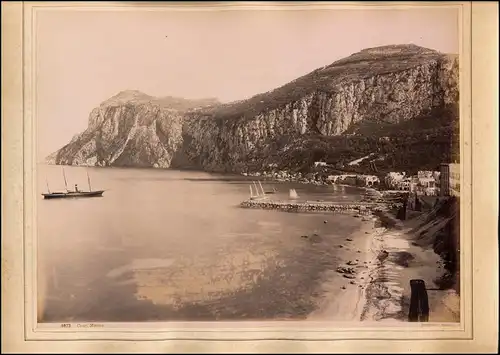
x: 382, y: 85
x: 130, y: 129
x: 379, y: 86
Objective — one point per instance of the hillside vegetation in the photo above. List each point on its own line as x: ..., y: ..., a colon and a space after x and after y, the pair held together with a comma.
x: 367, y: 63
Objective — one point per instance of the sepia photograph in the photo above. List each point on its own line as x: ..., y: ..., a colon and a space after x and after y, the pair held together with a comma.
x: 248, y: 165
x: 240, y: 166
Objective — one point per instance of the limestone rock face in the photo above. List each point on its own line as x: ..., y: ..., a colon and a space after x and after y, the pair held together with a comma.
x: 130, y: 129
x: 383, y: 85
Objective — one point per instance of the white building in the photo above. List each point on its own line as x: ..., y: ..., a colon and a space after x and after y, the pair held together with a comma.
x: 319, y: 163
x: 393, y: 180
x: 339, y: 179
x: 424, y: 183
x: 368, y: 180
x: 427, y: 186
x: 425, y: 174
x: 405, y: 184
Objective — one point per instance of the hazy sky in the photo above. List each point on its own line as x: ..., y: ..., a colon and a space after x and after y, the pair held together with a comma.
x: 85, y: 57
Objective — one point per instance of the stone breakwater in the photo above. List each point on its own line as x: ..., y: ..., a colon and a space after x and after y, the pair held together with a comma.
x: 308, y: 206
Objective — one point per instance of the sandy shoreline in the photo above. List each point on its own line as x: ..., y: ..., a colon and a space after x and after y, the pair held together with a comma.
x: 380, y: 290
x: 388, y: 293
x: 344, y: 298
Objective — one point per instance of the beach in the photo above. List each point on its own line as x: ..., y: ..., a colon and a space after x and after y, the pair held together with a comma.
x: 345, y: 293
x: 389, y: 292
x: 380, y: 288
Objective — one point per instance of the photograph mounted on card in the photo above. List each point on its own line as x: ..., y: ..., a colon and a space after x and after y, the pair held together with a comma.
x: 248, y: 171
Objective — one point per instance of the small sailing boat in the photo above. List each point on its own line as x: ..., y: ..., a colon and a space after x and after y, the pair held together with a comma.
x: 72, y: 194
x: 273, y: 191
x: 259, y: 194
x: 293, y: 194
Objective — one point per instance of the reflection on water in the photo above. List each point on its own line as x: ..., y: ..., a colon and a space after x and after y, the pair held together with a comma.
x: 141, y: 264
x: 174, y: 245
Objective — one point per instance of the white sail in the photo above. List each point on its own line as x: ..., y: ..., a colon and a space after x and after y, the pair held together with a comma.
x: 256, y: 189
x: 256, y: 193
x: 261, y: 188
x: 293, y: 193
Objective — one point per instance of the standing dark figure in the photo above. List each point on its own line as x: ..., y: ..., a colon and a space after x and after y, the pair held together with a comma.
x: 418, y: 204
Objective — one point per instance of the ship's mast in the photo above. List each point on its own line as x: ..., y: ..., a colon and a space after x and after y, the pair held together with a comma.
x: 65, y: 182
x: 88, y: 178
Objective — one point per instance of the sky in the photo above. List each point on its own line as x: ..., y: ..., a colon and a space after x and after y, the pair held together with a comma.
x: 84, y: 56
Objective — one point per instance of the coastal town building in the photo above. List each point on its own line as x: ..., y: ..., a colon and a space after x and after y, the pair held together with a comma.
x: 425, y: 174
x: 445, y: 179
x: 343, y: 179
x: 368, y: 180
x: 393, y: 180
x: 455, y: 180
x: 426, y: 186
x: 428, y: 183
x: 405, y: 184
x: 319, y: 163
x: 356, y: 180
x: 450, y: 179
x: 437, y: 175
x: 423, y: 183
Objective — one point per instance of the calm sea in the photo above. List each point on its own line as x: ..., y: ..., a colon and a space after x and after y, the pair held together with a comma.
x: 174, y: 245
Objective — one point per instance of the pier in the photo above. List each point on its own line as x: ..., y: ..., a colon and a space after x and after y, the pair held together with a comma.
x: 311, y: 206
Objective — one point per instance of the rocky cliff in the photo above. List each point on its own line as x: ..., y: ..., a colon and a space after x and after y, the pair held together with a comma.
x: 375, y: 90
x: 440, y: 228
x: 130, y: 129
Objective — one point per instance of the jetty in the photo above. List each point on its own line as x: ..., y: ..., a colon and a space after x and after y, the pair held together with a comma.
x: 319, y: 206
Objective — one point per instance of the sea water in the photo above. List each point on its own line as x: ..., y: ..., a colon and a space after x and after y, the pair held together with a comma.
x: 175, y: 245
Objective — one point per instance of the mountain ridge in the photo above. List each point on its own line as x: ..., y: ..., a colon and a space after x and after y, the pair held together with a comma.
x: 384, y: 86
x: 172, y: 102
